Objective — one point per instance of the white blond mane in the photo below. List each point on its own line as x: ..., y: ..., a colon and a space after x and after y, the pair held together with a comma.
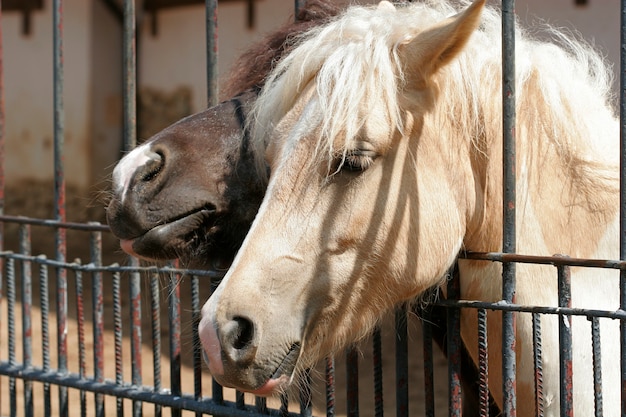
x: 356, y: 55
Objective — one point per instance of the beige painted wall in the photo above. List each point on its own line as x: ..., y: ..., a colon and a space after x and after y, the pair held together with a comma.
x: 172, y: 59
x: 29, y: 94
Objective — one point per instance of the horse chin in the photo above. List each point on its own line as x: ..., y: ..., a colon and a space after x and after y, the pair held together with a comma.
x: 282, y: 376
x: 173, y: 239
x: 273, y: 386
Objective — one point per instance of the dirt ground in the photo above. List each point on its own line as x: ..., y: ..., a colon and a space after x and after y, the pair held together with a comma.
x: 90, y: 208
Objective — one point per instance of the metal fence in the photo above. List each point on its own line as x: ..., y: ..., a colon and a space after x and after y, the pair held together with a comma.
x: 120, y: 294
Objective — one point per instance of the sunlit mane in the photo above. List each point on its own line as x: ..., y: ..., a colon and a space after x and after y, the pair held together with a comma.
x: 357, y: 55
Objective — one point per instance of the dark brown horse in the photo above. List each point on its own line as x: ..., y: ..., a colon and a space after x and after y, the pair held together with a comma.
x: 160, y: 210
x: 192, y: 190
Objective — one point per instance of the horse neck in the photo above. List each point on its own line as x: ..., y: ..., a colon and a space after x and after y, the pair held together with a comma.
x: 565, y: 203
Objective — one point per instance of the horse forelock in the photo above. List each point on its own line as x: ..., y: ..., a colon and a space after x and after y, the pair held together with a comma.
x: 355, y: 56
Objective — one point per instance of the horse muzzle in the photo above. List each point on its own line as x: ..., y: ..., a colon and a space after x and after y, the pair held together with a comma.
x: 239, y: 357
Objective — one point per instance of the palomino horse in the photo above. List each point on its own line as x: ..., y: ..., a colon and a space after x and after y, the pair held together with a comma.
x: 383, y: 132
x: 191, y: 191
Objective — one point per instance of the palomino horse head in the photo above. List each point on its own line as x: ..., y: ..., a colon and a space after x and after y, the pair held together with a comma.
x: 363, y: 209
x: 191, y: 190
x: 383, y: 132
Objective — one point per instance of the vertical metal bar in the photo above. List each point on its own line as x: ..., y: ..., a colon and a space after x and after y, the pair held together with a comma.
x: 330, y: 387
x: 27, y: 301
x: 538, y: 362
x: 622, y: 205
x: 11, y: 344
x: 197, y: 347
x: 597, y: 366
x: 44, y: 292
x: 211, y: 52
x: 175, y: 330
x: 155, y: 307
x: 59, y: 194
x: 260, y: 404
x: 239, y: 400
x: 509, y: 203
x: 402, y: 363
x: 483, y: 363
x: 378, y: 373
x: 565, y: 343
x: 130, y: 76
x: 352, y: 382
x: 135, y: 340
x: 429, y: 375
x: 284, y: 405
x: 306, y: 399
x: 453, y: 324
x: 217, y: 392
x: 2, y: 140
x: 298, y: 4
x: 129, y: 142
x: 80, y: 318
x: 95, y: 248
x: 117, y: 334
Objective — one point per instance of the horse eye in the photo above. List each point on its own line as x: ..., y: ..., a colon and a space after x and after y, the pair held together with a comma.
x: 358, y: 160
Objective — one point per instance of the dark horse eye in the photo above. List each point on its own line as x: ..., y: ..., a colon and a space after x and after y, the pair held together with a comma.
x: 358, y: 160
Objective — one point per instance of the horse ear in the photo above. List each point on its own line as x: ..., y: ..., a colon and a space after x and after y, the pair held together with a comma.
x: 436, y: 46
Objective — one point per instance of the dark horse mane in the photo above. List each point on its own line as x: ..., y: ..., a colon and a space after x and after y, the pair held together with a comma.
x: 251, y: 68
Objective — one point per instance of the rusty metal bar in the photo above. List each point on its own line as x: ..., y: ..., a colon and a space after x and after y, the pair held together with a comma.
x: 27, y: 302
x: 59, y: 197
x: 129, y: 90
x: 97, y: 288
x: 454, y: 346
x: 378, y: 372
x: 483, y: 364
x: 195, y: 337
x: 622, y: 234
x: 402, y: 362
x: 284, y: 405
x: 538, y: 364
x: 352, y: 382
x: 127, y: 391
x: 174, y: 335
x: 429, y: 375
x: 136, y: 336
x: 306, y: 399
x: 330, y: 387
x: 217, y: 392
x: 211, y: 52
x: 10, y: 271
x: 80, y: 319
x: 261, y: 405
x: 117, y: 336
x: 544, y: 260
x: 565, y: 343
x: 2, y: 159
x: 44, y: 293
x: 597, y: 365
x: 239, y: 400
x: 155, y: 307
x: 509, y: 204
x: 298, y: 4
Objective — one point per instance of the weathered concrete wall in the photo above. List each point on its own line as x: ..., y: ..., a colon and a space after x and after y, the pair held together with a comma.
x: 173, y: 60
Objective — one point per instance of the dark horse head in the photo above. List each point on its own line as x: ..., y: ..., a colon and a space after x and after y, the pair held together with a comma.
x: 192, y: 190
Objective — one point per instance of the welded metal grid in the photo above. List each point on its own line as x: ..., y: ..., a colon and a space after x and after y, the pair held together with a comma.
x: 51, y: 276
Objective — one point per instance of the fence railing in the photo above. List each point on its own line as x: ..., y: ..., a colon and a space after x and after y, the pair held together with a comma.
x: 50, y: 294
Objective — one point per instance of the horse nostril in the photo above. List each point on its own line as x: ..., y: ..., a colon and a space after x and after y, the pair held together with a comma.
x: 153, y: 166
x: 244, y: 332
x: 238, y: 337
